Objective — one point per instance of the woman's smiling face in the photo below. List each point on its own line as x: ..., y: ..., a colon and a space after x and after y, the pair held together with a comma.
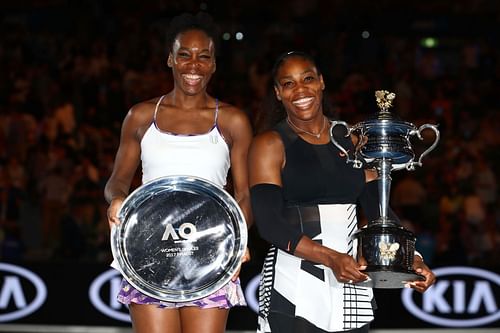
x: 299, y: 86
x: 192, y: 61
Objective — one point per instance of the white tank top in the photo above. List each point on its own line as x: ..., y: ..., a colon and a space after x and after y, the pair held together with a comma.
x: 201, y: 155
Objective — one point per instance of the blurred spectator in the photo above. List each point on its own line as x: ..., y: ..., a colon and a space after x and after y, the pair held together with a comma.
x: 11, y: 243
x: 408, y: 197
x: 485, y: 182
x: 15, y: 172
x: 54, y: 191
x: 73, y: 243
x: 476, y: 239
x: 404, y: 92
x: 64, y: 116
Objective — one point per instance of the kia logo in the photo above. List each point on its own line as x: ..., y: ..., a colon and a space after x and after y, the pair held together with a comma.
x: 251, y: 293
x: 102, y: 293
x: 17, y: 297
x: 461, y: 297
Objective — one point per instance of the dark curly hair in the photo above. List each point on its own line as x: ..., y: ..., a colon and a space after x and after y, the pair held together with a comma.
x: 187, y: 21
x: 291, y: 54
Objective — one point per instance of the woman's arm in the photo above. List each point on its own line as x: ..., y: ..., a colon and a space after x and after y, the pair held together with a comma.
x: 266, y: 159
x: 126, y: 161
x: 237, y: 125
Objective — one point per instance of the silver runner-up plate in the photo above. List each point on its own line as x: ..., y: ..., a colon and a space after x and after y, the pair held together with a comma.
x: 181, y: 238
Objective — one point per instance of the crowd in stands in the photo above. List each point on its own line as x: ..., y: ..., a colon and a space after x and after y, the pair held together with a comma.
x: 69, y: 73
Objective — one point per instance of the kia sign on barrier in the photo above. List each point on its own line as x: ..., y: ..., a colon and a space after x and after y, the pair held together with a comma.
x: 102, y: 294
x: 251, y: 293
x: 22, y: 292
x: 461, y: 297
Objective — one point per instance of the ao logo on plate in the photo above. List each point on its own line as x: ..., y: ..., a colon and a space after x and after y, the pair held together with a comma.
x: 461, y: 297
x: 22, y: 292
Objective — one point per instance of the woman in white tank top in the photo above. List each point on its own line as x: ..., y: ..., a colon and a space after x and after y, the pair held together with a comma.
x: 184, y: 132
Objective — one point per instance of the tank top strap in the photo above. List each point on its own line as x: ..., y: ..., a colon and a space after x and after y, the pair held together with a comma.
x: 216, y: 112
x: 157, y: 107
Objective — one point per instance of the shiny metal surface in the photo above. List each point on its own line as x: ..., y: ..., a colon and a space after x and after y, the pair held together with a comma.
x: 388, y: 250
x: 181, y: 238
x: 384, y: 144
x: 387, y: 137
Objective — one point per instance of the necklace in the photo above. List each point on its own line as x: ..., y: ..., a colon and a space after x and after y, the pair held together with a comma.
x: 316, y: 135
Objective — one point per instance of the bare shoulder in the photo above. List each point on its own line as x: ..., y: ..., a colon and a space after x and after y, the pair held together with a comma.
x: 234, y: 124
x: 267, y: 142
x: 266, y: 158
x: 142, y: 111
x: 231, y: 113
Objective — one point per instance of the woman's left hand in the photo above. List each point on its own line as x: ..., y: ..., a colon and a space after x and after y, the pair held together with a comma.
x: 246, y: 257
x: 422, y: 269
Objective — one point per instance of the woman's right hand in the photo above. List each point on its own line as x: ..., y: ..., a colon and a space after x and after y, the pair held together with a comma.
x: 346, y: 268
x: 113, y: 209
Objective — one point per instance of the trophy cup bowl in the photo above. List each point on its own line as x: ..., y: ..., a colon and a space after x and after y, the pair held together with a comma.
x: 384, y: 144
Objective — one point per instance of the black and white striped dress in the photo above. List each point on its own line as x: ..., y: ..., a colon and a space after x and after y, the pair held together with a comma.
x: 321, y: 193
x: 303, y: 289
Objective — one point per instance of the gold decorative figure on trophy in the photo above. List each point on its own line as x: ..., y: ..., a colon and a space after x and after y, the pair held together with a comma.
x: 384, y: 99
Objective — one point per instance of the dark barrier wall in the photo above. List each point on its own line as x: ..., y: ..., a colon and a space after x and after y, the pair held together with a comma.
x: 80, y: 294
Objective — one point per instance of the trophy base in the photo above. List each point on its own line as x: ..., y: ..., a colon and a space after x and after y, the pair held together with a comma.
x: 382, y: 278
x: 388, y: 250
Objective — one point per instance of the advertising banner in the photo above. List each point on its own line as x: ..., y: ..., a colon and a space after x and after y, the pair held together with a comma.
x: 85, y: 294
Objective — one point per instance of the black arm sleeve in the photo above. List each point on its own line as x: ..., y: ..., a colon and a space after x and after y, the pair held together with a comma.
x: 267, y: 207
x: 369, y: 201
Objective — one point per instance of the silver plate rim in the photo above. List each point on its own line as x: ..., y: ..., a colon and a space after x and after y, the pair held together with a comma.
x: 179, y: 181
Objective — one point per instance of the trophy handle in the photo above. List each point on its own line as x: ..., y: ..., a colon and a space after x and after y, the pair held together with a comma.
x: 356, y: 163
x: 411, y: 166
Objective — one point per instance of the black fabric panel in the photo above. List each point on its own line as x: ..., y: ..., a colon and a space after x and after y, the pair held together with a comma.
x: 315, y: 271
x: 267, y: 208
x: 316, y: 174
x: 280, y: 302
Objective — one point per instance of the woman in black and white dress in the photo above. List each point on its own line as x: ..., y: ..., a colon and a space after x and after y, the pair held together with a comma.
x: 304, y: 199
